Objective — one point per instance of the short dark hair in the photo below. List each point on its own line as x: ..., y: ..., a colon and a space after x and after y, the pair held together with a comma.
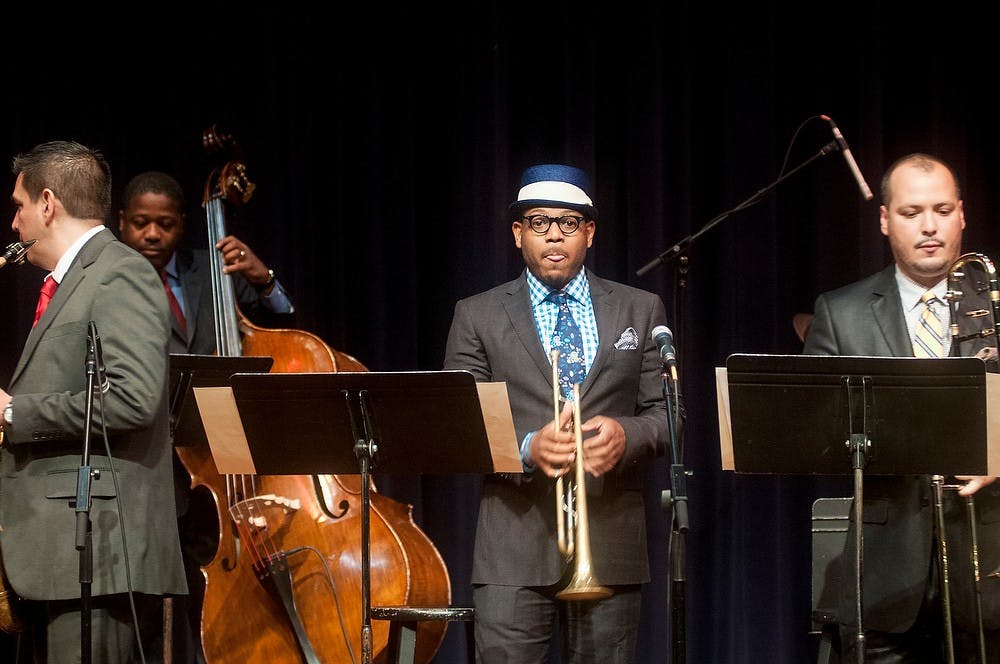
x: 78, y: 175
x: 155, y: 182
x: 924, y: 162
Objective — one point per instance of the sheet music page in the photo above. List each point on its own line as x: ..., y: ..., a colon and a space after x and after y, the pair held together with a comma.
x: 725, y: 426
x: 224, y: 430
x: 500, y: 427
x: 992, y: 425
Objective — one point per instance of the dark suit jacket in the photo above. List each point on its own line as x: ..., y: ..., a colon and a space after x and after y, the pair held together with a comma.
x: 116, y: 288
x: 194, y: 273
x: 866, y: 319
x: 493, y: 335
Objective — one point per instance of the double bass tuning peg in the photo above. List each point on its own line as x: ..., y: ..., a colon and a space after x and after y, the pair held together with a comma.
x: 236, y: 186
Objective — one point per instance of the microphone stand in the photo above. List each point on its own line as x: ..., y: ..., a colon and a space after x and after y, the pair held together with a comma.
x: 83, y: 496
x: 675, y: 499
x: 686, y: 242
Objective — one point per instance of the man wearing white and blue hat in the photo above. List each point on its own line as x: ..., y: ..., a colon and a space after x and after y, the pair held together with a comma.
x: 608, y: 361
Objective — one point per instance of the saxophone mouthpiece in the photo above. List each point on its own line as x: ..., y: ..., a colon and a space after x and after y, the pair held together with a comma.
x: 15, y: 253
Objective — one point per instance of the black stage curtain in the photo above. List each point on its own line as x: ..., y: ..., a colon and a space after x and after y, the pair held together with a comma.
x: 386, y: 143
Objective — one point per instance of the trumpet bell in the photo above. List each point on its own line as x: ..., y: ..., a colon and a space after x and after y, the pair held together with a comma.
x: 584, y: 586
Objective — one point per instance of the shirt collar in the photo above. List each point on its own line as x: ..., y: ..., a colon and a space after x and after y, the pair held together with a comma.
x: 910, y: 291
x: 62, y: 267
x: 577, y: 288
x: 171, y: 267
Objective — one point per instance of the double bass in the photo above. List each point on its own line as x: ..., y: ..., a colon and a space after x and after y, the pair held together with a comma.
x: 284, y: 586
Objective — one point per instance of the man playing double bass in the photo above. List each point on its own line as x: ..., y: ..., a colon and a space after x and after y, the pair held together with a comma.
x: 151, y: 220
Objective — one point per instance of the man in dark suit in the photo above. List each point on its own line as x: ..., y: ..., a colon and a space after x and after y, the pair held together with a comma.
x: 152, y: 221
x: 884, y: 315
x: 62, y: 196
x: 505, y: 334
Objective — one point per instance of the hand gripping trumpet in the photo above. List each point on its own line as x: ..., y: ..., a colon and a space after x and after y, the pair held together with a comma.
x: 572, y: 523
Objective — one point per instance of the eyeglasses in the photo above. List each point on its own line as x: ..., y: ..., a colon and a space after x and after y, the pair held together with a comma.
x: 541, y: 223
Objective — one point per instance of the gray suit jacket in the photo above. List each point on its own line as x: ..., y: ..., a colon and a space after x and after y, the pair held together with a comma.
x: 493, y: 335
x: 118, y: 289
x: 866, y: 319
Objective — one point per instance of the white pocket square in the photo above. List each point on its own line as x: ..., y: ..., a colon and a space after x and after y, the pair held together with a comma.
x: 629, y: 340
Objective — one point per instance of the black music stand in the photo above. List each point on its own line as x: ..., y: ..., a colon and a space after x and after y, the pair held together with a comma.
x: 400, y: 422
x: 858, y: 415
x: 188, y: 371
x: 186, y: 429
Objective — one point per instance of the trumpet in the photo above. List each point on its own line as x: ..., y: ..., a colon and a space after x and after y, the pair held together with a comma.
x: 966, y: 324
x: 572, y: 522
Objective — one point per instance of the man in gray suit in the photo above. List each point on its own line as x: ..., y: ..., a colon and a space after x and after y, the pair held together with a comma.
x: 62, y: 196
x: 923, y: 218
x: 505, y: 334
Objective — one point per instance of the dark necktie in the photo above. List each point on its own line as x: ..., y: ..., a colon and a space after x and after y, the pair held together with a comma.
x: 566, y: 338
x: 49, y: 287
x: 175, y: 306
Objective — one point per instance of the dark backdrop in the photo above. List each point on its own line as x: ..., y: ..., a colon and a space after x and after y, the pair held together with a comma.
x: 386, y: 142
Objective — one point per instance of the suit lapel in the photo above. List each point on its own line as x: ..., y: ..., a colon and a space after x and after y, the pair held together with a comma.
x: 73, y: 279
x: 518, y: 308
x: 607, y: 313
x: 887, y: 308
x: 191, y: 284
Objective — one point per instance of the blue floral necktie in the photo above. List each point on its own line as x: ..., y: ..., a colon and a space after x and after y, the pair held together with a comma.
x: 566, y: 338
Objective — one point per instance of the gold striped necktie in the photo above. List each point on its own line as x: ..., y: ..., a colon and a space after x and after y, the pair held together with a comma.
x: 929, y: 338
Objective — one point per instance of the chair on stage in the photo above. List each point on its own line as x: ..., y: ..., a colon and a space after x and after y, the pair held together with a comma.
x: 830, y: 518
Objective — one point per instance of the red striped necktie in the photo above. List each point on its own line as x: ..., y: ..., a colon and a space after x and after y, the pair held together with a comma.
x: 49, y: 287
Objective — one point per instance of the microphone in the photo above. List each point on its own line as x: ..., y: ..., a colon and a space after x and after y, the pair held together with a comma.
x: 96, y: 354
x: 15, y: 253
x: 664, y: 339
x: 866, y: 191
